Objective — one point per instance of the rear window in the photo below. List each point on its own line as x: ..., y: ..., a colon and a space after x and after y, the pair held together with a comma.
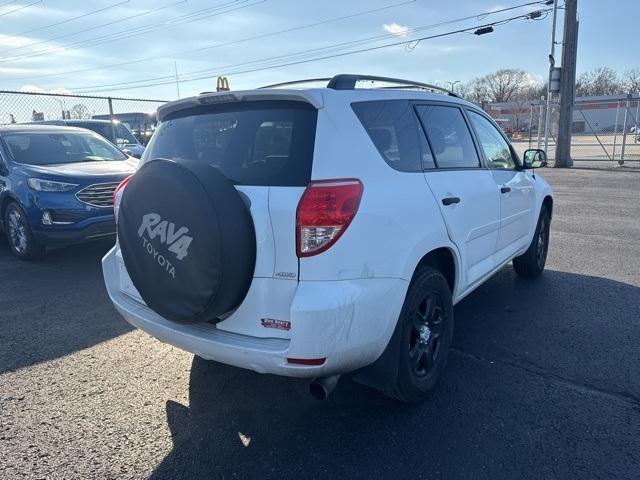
x: 394, y: 130
x: 48, y: 148
x: 254, y: 143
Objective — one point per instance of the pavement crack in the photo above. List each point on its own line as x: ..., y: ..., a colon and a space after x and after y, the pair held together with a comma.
x: 539, y: 371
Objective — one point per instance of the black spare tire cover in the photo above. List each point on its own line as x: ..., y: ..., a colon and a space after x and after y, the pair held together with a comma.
x: 187, y: 240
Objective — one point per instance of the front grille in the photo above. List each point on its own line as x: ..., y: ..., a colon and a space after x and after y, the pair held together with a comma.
x: 98, y: 194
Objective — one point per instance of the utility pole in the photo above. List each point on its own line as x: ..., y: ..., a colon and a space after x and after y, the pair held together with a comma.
x: 567, y: 84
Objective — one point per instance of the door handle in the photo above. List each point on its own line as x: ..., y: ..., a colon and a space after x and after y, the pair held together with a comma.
x: 450, y: 200
x: 505, y: 189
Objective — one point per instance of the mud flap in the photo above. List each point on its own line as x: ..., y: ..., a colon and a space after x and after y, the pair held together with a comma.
x: 383, y: 373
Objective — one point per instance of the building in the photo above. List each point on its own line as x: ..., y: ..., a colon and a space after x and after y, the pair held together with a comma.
x: 603, y: 114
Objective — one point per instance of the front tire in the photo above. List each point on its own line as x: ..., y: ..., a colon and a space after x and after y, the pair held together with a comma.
x: 426, y: 324
x: 531, y: 263
x: 21, y: 239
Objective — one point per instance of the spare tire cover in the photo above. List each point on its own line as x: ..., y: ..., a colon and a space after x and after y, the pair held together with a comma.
x: 187, y: 240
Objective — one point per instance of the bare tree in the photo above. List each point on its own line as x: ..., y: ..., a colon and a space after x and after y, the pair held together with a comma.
x: 631, y: 80
x: 599, y: 81
x: 80, y: 111
x: 501, y: 86
x: 474, y: 91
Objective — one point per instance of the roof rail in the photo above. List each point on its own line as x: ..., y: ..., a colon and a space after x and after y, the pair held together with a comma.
x: 348, y: 82
x: 296, y: 82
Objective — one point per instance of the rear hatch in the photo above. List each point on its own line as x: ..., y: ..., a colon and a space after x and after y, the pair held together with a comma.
x: 265, y: 147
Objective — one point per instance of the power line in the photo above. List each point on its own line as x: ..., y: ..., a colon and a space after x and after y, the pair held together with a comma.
x: 93, y: 12
x: 22, y: 7
x: 224, y: 44
x: 338, y: 46
x: 72, y: 34
x: 326, y: 57
x: 139, y: 31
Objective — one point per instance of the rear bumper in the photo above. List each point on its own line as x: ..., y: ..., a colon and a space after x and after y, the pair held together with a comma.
x: 348, y: 323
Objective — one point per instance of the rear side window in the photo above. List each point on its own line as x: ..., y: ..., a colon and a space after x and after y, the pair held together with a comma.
x: 449, y: 136
x: 394, y: 130
x: 123, y: 135
x: 252, y: 143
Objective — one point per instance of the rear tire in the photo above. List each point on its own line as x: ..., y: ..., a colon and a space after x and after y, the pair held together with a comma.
x: 22, y: 242
x: 426, y: 323
x: 531, y: 263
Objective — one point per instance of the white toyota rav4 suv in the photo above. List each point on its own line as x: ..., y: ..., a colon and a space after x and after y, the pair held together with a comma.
x: 314, y: 232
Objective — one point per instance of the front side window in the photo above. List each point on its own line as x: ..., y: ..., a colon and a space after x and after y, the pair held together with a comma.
x: 263, y: 143
x: 448, y: 136
x: 49, y: 148
x: 394, y: 130
x: 495, y: 147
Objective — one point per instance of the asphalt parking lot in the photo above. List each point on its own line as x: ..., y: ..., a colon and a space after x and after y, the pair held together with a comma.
x: 543, y: 382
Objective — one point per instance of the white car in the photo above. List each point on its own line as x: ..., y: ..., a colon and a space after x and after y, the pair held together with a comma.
x: 319, y: 231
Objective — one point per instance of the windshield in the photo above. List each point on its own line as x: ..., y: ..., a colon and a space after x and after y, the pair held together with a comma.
x: 253, y: 143
x: 123, y: 135
x: 49, y: 148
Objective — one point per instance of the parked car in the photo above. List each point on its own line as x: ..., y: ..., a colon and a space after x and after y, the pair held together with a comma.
x: 56, y: 186
x: 116, y: 132
x: 141, y: 124
x: 315, y: 232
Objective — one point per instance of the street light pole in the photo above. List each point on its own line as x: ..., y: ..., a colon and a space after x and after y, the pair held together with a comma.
x: 453, y: 84
x: 552, y: 62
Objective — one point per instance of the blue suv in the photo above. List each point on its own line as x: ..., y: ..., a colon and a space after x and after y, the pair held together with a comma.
x: 56, y: 186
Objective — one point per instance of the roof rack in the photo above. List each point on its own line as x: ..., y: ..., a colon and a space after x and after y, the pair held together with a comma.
x: 348, y: 82
x: 296, y: 82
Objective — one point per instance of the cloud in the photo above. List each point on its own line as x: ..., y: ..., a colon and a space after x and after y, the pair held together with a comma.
x: 13, y: 41
x: 36, y: 89
x: 495, y: 8
x: 395, y: 29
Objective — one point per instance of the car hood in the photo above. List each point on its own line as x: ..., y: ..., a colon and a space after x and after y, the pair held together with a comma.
x: 83, y: 171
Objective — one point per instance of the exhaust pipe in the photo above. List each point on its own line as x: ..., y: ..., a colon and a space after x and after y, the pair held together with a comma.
x: 321, y: 387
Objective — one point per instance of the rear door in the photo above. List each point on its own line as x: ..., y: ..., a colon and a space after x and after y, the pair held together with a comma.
x: 517, y: 198
x: 265, y: 148
x: 464, y: 189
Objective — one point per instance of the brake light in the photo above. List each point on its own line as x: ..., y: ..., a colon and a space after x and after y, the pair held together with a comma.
x: 324, y: 212
x: 117, y: 196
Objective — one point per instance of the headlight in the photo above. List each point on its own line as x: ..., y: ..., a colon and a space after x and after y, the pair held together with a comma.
x: 49, y: 186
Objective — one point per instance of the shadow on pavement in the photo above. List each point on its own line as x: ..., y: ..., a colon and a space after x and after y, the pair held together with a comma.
x: 502, y: 410
x: 54, y: 306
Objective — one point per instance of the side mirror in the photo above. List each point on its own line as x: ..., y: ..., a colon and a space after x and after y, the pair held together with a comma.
x: 534, y: 158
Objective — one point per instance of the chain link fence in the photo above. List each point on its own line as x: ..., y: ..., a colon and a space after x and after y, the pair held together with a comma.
x: 604, y: 129
x: 138, y: 114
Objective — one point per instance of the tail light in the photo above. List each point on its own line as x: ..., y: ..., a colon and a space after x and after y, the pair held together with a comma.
x: 324, y: 212
x: 117, y: 196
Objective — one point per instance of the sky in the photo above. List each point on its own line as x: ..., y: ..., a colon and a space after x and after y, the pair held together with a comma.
x: 110, y: 46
